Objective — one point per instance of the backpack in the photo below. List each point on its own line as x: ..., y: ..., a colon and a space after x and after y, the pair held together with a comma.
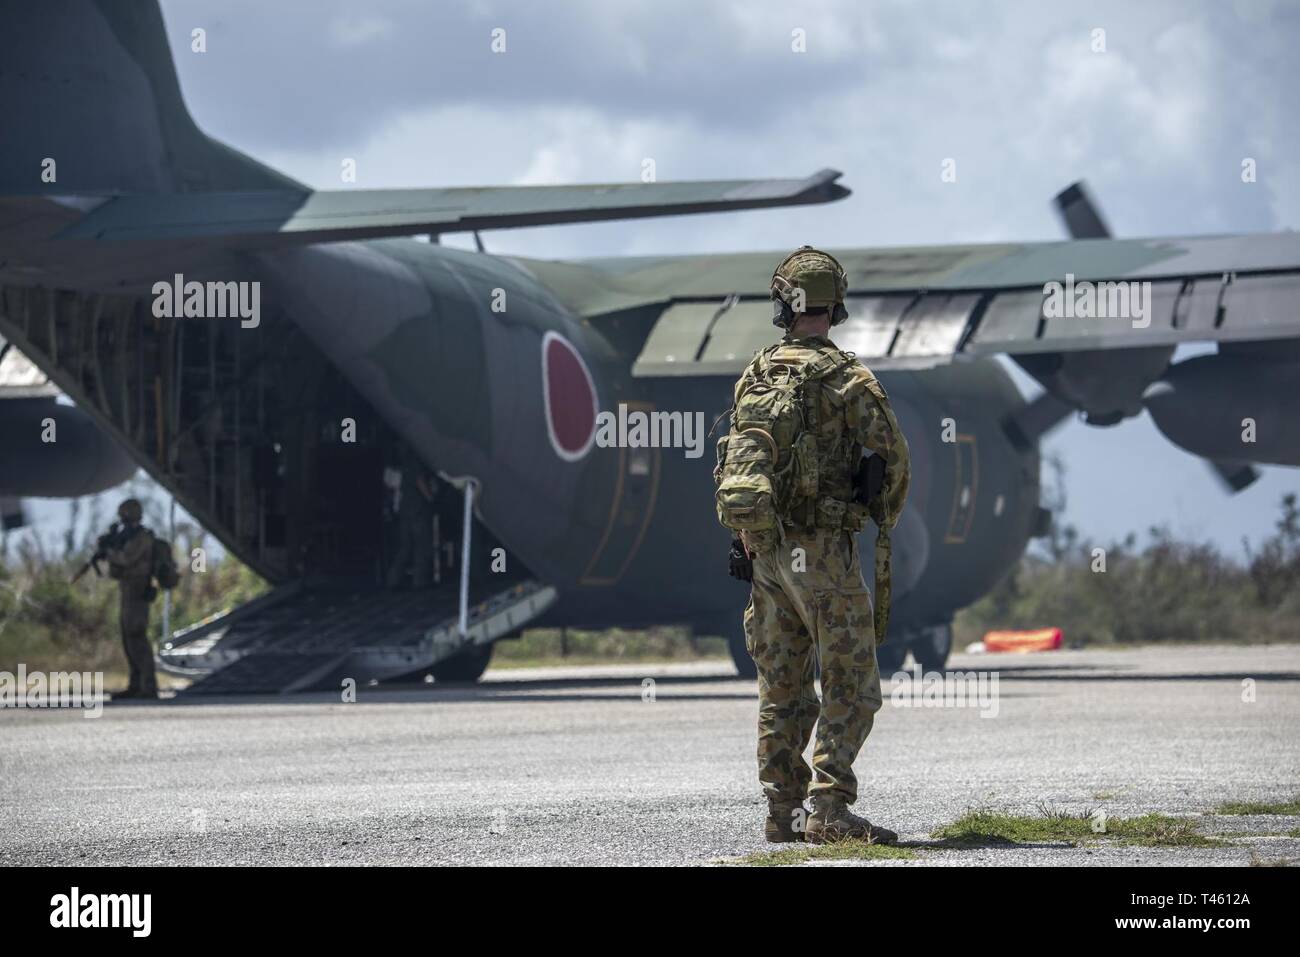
x: 165, y: 571
x: 767, y: 462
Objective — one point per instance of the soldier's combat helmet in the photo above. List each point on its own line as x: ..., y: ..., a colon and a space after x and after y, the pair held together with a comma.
x: 808, y: 280
x: 131, y: 511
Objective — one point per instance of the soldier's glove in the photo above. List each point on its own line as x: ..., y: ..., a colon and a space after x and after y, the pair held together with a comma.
x: 741, y: 566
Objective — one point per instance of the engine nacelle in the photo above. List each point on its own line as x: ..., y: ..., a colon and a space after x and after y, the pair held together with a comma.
x: 1230, y: 408
x: 1107, y: 385
x: 81, y: 459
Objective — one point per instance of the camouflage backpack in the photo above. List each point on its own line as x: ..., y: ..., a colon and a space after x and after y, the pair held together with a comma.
x: 768, y: 460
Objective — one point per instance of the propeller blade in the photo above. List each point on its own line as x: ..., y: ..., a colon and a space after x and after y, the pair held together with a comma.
x: 1079, y: 214
x: 1235, y: 476
x: 1035, y: 419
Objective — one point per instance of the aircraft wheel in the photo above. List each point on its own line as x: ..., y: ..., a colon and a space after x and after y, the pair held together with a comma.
x: 465, y: 668
x: 931, y: 647
x: 890, y: 655
x: 732, y: 627
x: 745, y: 667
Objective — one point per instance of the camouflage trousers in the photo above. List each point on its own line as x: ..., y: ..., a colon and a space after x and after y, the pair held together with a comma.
x: 809, y: 599
x: 134, y: 618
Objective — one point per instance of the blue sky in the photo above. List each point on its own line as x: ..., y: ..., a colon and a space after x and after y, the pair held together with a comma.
x: 1016, y: 92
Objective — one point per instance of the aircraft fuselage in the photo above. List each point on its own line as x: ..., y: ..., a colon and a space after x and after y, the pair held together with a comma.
x: 487, y: 374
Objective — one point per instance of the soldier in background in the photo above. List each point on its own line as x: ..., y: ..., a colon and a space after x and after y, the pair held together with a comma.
x: 414, y: 524
x: 130, y: 555
x: 814, y: 450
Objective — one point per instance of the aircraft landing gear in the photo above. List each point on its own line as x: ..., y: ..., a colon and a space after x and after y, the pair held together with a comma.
x: 929, y: 646
x: 732, y: 627
x: 745, y: 667
x: 464, y: 668
x: 890, y: 655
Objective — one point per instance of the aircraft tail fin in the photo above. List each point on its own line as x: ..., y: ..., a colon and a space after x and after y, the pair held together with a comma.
x: 92, y: 108
x: 91, y: 104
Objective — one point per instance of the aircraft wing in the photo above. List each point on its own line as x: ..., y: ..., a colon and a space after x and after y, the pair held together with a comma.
x: 912, y: 307
x: 269, y: 218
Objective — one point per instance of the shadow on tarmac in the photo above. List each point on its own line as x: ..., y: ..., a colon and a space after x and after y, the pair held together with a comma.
x: 724, y: 687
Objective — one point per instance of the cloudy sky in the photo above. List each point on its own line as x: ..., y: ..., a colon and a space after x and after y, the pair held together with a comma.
x: 1016, y: 92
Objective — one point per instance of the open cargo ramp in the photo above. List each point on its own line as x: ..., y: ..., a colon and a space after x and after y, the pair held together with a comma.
x: 303, y: 636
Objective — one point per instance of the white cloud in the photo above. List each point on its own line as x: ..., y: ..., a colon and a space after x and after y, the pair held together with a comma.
x: 355, y: 29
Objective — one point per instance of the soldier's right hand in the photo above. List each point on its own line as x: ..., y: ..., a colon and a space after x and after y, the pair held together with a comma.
x: 740, y: 565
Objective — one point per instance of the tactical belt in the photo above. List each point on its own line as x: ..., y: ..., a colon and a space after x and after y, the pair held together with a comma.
x: 830, y: 513
x: 827, y: 513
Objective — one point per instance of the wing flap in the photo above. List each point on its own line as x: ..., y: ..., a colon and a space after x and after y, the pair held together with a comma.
x: 925, y: 329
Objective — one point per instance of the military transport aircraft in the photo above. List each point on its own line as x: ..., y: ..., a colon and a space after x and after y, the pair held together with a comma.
x: 271, y: 410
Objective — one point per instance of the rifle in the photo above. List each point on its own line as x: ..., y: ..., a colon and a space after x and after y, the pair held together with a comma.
x: 115, y: 537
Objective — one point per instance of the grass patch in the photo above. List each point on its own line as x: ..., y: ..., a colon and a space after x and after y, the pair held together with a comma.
x: 984, y: 828
x: 574, y: 661
x: 1159, y: 830
x: 841, y: 851
x: 542, y: 647
x: 1257, y: 861
x: 1259, y: 807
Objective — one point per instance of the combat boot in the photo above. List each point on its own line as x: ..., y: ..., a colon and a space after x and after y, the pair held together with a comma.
x: 135, y: 694
x: 786, y: 822
x: 832, y: 821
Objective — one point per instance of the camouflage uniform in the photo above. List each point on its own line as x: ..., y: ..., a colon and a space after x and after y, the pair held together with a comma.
x: 131, y: 563
x: 808, y: 595
x: 415, y: 527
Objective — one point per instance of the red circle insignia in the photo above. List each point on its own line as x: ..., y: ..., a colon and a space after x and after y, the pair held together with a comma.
x: 570, y: 398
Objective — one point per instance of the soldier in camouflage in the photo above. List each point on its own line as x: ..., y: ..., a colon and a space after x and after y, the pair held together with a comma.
x: 130, y: 561
x: 808, y: 596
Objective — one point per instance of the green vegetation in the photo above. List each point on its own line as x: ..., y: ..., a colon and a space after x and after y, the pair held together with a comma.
x: 842, y: 851
x: 571, y: 646
x: 1257, y: 861
x: 1258, y: 807
x: 984, y: 828
x: 49, y: 625
x: 1159, y: 830
x: 1163, y: 590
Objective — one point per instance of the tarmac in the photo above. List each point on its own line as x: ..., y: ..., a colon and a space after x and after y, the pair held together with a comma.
x: 654, y: 765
